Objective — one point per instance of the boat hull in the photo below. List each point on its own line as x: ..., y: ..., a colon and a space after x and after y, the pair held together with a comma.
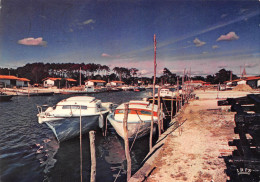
x: 67, y: 128
x: 4, y: 98
x: 135, y: 129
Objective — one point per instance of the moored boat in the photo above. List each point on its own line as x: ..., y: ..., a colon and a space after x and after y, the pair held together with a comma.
x: 168, y: 99
x: 4, y: 97
x: 139, y: 118
x: 64, y: 118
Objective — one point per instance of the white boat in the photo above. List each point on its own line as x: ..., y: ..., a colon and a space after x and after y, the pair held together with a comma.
x: 64, y: 118
x: 139, y: 118
x: 167, y: 93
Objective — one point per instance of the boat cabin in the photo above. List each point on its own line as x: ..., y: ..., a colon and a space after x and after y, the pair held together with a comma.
x: 76, y: 106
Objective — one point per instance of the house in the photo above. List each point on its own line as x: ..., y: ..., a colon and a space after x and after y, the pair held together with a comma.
x: 50, y: 82
x: 116, y: 83
x: 253, y: 81
x: 95, y: 83
x: 196, y: 83
x: 22, y: 82
x: 13, y: 81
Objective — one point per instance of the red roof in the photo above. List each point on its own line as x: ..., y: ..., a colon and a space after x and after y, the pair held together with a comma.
x: 99, y: 81
x: 23, y: 79
x: 70, y: 80
x: 195, y: 81
x: 8, y: 77
x: 53, y: 79
x: 253, y: 78
x: 118, y: 81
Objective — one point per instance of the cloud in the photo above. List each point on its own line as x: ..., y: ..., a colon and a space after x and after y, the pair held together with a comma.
x: 109, y: 56
x: 251, y: 65
x: 223, y: 15
x: 144, y: 72
x: 222, y: 65
x: 32, y: 42
x: 198, y: 43
x: 228, y: 37
x: 215, y: 47
x: 105, y: 55
x: 88, y: 22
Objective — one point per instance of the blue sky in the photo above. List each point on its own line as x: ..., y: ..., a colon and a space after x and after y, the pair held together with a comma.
x: 202, y: 35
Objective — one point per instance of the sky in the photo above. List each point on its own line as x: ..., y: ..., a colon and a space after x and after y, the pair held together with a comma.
x: 203, y: 36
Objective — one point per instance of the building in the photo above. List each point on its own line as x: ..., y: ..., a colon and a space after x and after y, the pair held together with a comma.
x: 196, y: 83
x: 50, y: 82
x: 95, y: 83
x: 116, y: 83
x: 22, y: 82
x: 253, y: 81
x: 13, y: 81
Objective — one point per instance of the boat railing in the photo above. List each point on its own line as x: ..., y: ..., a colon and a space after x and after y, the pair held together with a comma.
x: 39, y: 108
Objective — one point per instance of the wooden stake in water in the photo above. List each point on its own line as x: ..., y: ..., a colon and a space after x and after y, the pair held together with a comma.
x: 93, y: 156
x: 127, y: 152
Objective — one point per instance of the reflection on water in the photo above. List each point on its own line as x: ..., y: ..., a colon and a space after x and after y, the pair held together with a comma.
x: 30, y: 152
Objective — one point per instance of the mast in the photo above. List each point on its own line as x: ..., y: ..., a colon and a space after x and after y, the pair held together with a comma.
x: 80, y: 76
x: 154, y: 79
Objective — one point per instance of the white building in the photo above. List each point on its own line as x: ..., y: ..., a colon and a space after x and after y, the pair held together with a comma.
x: 117, y: 83
x: 50, y: 82
x: 12, y: 81
x: 95, y: 83
x: 22, y: 82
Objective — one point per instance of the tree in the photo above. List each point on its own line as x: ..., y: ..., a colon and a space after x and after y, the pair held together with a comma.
x: 198, y: 78
x: 223, y: 75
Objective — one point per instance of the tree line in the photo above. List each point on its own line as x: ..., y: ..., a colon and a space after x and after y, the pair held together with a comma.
x: 36, y: 72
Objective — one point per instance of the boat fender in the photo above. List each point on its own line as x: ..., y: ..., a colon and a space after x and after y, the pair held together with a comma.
x: 101, y: 121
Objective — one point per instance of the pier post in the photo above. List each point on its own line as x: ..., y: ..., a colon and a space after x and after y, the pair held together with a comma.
x: 154, y: 80
x: 80, y: 139
x: 172, y: 106
x: 127, y: 152
x: 159, y: 111
x: 93, y: 156
x: 162, y: 128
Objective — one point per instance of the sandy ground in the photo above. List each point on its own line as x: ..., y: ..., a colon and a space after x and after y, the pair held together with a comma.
x: 194, y: 151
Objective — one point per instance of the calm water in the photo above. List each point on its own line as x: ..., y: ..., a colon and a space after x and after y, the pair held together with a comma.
x: 30, y: 152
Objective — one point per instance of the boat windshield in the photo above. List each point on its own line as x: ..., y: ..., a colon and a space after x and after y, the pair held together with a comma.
x: 74, y: 107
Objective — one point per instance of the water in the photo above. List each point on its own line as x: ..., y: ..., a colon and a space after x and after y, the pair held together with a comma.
x: 30, y: 152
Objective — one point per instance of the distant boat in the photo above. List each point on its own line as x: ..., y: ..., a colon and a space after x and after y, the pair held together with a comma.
x: 33, y: 93
x: 139, y: 118
x: 67, y: 92
x: 64, y: 118
x: 4, y: 97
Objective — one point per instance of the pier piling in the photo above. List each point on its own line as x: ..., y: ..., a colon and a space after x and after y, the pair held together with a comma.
x: 159, y: 111
x: 93, y: 156
x: 127, y: 152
